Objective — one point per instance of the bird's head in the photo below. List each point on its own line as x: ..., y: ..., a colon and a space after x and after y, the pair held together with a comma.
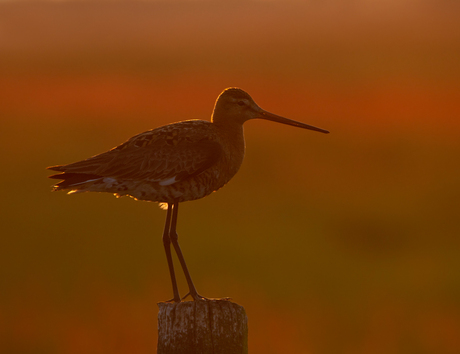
x: 236, y: 106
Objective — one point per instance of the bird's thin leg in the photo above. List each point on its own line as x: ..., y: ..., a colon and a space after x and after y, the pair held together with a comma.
x: 174, y: 239
x: 167, y: 246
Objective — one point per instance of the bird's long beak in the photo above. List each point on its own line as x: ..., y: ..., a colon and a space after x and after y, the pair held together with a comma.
x: 273, y: 117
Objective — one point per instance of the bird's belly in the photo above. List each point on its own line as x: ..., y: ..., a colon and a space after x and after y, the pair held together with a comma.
x: 195, y: 187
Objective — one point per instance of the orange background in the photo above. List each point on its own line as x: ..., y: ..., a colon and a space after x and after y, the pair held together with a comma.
x: 339, y: 243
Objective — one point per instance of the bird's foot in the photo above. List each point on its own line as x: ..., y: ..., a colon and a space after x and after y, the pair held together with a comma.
x: 198, y: 297
x: 174, y: 299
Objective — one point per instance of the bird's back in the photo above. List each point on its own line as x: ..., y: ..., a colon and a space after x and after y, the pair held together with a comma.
x: 173, y: 163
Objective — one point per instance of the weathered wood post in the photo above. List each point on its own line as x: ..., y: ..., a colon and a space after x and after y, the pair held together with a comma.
x: 202, y: 327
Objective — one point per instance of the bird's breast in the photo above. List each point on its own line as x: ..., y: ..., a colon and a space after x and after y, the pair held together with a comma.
x: 228, y: 146
x: 217, y: 175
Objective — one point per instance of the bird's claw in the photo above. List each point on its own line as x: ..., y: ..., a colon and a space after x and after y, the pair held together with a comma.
x: 198, y: 297
x: 174, y: 300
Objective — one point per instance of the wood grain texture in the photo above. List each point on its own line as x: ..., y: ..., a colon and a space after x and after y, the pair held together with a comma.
x: 202, y: 327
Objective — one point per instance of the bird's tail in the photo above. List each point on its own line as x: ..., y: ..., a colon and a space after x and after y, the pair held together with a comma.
x: 73, y: 180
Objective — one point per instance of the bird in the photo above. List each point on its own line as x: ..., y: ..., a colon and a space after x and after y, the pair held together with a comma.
x: 172, y: 164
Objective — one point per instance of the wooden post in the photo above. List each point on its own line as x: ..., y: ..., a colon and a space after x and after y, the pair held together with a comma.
x: 202, y: 327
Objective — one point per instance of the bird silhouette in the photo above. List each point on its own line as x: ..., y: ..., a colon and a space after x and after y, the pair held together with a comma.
x: 172, y: 164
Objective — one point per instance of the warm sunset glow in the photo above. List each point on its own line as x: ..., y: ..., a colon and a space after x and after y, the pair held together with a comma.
x: 338, y: 243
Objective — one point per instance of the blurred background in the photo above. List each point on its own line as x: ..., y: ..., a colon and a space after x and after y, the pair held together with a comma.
x: 339, y: 243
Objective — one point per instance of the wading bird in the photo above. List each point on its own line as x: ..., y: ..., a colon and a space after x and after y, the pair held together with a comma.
x: 174, y: 163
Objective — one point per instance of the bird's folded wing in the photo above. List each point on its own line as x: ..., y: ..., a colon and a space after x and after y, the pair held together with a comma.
x: 158, y: 161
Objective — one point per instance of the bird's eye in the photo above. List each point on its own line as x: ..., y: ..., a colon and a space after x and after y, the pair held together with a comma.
x: 241, y: 103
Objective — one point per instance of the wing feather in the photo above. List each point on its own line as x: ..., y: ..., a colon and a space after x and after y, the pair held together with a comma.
x: 153, y: 156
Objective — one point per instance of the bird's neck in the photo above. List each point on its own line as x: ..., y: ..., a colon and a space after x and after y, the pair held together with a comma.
x: 229, y: 129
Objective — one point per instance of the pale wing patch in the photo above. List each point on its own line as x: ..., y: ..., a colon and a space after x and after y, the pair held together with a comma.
x: 109, y: 181
x: 88, y: 180
x: 167, y: 182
